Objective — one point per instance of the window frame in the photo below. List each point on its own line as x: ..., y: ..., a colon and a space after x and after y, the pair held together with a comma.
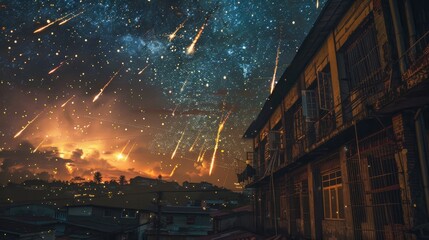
x: 333, y: 188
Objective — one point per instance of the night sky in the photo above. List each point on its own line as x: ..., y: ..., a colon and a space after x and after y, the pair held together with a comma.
x: 133, y: 87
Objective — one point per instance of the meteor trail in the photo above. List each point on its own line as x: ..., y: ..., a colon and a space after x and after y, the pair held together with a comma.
x: 56, y: 68
x: 131, y: 149
x: 273, y: 81
x: 174, y: 169
x: 191, y: 48
x: 220, y: 128
x: 51, y: 23
x: 107, y: 84
x: 40, y: 144
x: 173, y: 35
x: 121, y: 155
x: 183, y: 86
x: 143, y: 69
x: 178, y: 143
x: 28, y: 124
x: 64, y: 104
x: 70, y: 18
x: 195, y: 141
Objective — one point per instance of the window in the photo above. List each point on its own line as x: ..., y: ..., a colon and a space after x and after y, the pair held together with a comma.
x: 333, y: 202
x: 324, y: 85
x: 310, y: 108
x: 298, y: 124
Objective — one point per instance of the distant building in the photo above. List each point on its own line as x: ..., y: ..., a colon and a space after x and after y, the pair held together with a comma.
x: 16, y: 230
x: 340, y: 147
x: 182, y: 223
x: 238, y: 218
x: 144, y: 181
x: 106, y: 222
x: 197, y: 185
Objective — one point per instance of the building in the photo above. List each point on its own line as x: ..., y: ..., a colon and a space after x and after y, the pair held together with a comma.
x: 341, y: 144
x: 182, y: 222
x: 17, y: 230
x: 105, y: 222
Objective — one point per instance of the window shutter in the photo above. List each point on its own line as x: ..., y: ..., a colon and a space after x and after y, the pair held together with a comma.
x: 310, y: 108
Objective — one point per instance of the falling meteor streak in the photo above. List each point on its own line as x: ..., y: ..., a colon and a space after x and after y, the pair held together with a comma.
x: 70, y: 18
x: 191, y: 48
x: 178, y: 143
x: 173, y: 35
x: 273, y: 81
x: 56, y: 68
x: 183, y: 86
x: 51, y: 23
x: 174, y: 169
x: 64, y: 104
x: 220, y: 128
x: 107, y: 84
x: 28, y: 124
x: 129, y: 152
x: 121, y: 155
x: 317, y: 3
x: 40, y: 144
x: 143, y: 69
x: 195, y: 142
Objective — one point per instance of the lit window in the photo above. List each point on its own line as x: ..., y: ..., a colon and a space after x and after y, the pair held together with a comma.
x: 333, y: 203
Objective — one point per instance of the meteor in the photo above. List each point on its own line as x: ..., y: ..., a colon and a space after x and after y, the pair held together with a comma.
x: 174, y: 169
x: 172, y: 114
x: 178, y: 143
x: 64, y: 104
x: 191, y: 48
x: 173, y: 35
x: 70, y: 18
x: 219, y: 130
x: 107, y: 84
x: 131, y: 149
x: 40, y: 144
x: 57, y: 67
x: 51, y: 23
x: 195, y: 141
x: 28, y: 124
x: 273, y: 81
x: 183, y: 86
x: 121, y: 155
x: 317, y: 3
x: 143, y: 69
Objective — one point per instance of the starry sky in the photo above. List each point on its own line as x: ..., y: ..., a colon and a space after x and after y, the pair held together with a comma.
x: 139, y: 87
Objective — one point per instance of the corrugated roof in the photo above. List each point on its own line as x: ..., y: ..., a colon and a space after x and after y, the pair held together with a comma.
x: 329, y: 17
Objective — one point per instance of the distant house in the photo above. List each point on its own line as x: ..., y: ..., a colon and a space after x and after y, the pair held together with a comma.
x: 144, y: 181
x: 10, y: 229
x: 106, y: 222
x: 199, y: 185
x: 178, y: 222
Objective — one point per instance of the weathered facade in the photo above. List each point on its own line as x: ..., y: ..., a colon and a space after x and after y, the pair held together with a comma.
x: 341, y: 145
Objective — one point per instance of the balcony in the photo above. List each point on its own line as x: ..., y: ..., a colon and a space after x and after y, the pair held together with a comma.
x: 406, y: 94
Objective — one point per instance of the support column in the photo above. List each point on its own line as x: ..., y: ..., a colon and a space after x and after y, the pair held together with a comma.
x: 346, y: 195
x: 335, y: 80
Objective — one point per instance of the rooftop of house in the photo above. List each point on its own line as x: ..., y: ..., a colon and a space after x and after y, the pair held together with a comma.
x: 8, y: 225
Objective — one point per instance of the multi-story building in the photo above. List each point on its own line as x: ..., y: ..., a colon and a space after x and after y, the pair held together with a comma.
x: 341, y: 144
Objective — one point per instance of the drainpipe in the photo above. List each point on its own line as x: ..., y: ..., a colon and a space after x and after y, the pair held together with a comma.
x: 422, y: 142
x: 411, y: 27
x: 400, y: 45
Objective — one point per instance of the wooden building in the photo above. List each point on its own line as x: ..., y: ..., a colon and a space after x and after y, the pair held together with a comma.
x: 341, y: 144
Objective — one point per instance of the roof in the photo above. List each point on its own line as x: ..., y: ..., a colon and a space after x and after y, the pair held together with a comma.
x: 107, y: 205
x: 185, y: 210
x: 328, y: 19
x: 233, y: 234
x: 15, y: 227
